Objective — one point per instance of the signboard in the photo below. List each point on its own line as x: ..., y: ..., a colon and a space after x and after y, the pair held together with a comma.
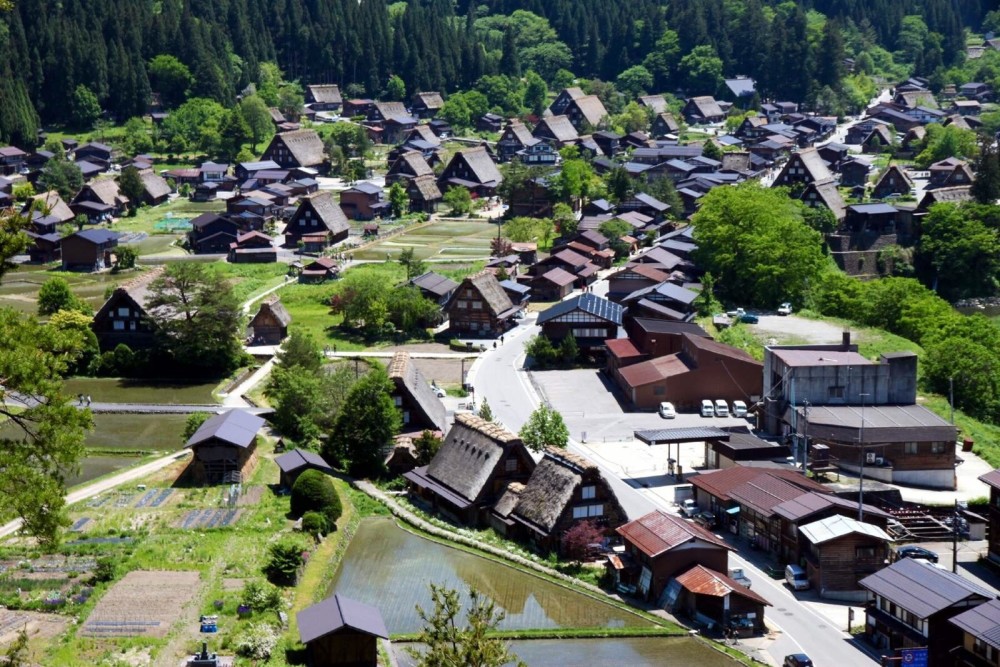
x: 913, y: 657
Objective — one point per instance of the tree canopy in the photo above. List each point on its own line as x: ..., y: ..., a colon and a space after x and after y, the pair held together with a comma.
x: 756, y: 243
x: 545, y: 428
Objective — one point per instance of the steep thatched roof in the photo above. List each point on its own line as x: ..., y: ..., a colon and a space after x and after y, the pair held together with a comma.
x: 107, y: 192
x: 558, y: 128
x: 411, y: 163
x: 304, y: 145
x: 326, y: 209
x: 277, y: 309
x: 52, y: 205
x: 591, y: 108
x: 156, y: 186
x: 408, y: 378
x: 489, y: 288
x: 551, y: 488
x: 471, y: 452
x: 427, y: 187
x: 509, y: 499
x: 325, y: 93
x: 481, y: 166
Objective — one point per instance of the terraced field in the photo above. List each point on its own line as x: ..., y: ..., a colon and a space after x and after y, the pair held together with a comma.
x: 449, y: 240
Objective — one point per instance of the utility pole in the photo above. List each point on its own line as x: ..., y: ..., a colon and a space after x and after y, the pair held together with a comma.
x: 861, y: 475
x: 805, y: 439
x: 951, y: 398
x: 954, y: 539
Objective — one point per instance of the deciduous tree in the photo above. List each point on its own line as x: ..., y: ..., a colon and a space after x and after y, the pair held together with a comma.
x: 55, y: 295
x: 62, y: 176
x: 365, y: 426
x: 414, y: 265
x: 130, y: 184
x: 545, y: 428
x: 449, y: 644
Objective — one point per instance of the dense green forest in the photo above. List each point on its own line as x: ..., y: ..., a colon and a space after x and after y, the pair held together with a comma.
x: 48, y: 50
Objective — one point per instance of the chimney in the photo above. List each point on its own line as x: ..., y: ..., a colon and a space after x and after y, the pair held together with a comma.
x: 846, y: 340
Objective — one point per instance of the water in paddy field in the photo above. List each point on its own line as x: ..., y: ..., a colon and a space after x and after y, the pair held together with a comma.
x: 620, y: 652
x: 392, y: 569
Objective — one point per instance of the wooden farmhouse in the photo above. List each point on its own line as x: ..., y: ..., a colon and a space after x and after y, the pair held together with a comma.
x: 660, y: 546
x: 589, y: 318
x: 412, y: 394
x: 299, y: 148
x: 339, y: 632
x: 480, y: 307
x: 841, y: 552
x: 123, y: 320
x: 473, y: 468
x: 565, y: 489
x: 224, y: 448
x: 88, y: 250
x: 992, y: 480
x: 270, y: 325
x: 317, y: 223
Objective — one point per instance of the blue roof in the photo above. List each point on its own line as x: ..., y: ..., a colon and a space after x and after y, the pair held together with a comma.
x: 588, y: 303
x: 872, y: 209
x: 515, y: 286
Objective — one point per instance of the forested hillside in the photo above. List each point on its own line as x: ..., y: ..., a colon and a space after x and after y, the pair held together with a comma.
x: 49, y: 49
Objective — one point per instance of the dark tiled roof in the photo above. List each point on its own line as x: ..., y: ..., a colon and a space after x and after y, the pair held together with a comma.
x: 434, y: 283
x: 338, y: 612
x: 235, y: 427
x: 588, y: 303
x: 665, y: 326
x: 721, y: 482
x: 991, y: 478
x: 922, y: 589
x: 692, y: 434
x: 97, y: 236
x: 301, y: 458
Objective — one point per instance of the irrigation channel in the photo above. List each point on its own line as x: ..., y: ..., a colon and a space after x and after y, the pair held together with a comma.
x: 391, y: 568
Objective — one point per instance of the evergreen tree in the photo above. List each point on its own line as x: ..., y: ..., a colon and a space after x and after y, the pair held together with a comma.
x: 986, y: 186
x: 365, y: 426
x: 233, y: 132
x: 130, y: 184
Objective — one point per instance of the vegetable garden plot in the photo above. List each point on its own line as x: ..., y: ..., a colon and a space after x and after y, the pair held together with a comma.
x: 210, y: 518
x: 143, y: 603
x: 80, y: 524
x: 153, y: 498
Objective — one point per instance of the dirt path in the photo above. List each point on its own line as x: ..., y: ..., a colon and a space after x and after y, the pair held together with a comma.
x: 795, y: 329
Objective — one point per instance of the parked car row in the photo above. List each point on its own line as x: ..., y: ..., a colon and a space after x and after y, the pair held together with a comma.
x: 719, y: 408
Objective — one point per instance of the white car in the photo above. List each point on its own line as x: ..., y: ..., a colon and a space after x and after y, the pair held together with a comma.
x: 438, y: 391
x: 667, y: 410
x: 785, y: 309
x: 721, y: 408
x: 739, y: 409
x: 707, y: 408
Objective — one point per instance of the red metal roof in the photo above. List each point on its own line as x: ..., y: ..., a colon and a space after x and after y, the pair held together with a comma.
x: 721, y: 483
x: 622, y: 348
x: 658, y: 532
x: 654, y: 370
x: 702, y: 581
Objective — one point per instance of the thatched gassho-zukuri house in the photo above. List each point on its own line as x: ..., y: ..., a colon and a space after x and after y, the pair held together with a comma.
x: 471, y: 470
x: 270, y: 325
x: 564, y: 489
x: 421, y: 408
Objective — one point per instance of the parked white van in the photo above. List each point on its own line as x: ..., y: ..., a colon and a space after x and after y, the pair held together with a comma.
x: 796, y: 577
x: 739, y: 409
x: 721, y: 408
x: 707, y: 409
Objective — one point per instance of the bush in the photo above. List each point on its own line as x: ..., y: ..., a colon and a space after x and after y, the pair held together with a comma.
x: 315, y: 524
x: 260, y: 596
x: 105, y: 569
x: 283, y: 564
x: 257, y: 641
x: 314, y: 491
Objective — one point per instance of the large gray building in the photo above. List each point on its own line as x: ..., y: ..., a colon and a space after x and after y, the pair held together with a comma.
x: 864, y: 412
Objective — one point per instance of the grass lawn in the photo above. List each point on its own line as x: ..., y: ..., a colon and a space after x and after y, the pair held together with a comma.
x: 20, y: 287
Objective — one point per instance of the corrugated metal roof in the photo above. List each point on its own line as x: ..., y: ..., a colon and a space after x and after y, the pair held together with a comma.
x: 811, y: 503
x: 588, y: 303
x: 982, y: 622
x: 764, y: 493
x: 921, y: 588
x: 693, y: 434
x: 657, y: 532
x: 882, y: 423
x: 702, y: 581
x: 720, y: 483
x: 799, y: 357
x: 654, y: 370
x: 235, y: 427
x: 836, y: 526
x: 339, y: 612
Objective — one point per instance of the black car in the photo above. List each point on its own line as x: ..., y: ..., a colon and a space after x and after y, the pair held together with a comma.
x: 797, y: 660
x: 913, y: 551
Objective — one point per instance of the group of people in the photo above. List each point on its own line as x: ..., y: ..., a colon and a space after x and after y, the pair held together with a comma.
x: 83, y: 400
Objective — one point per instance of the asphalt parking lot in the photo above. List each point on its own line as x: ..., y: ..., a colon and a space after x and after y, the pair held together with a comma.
x: 587, y: 400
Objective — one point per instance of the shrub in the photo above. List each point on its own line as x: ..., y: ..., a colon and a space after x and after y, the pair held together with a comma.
x: 257, y: 641
x: 284, y: 562
x: 260, y: 596
x: 314, y: 491
x: 105, y: 569
x: 315, y: 524
x: 576, y: 540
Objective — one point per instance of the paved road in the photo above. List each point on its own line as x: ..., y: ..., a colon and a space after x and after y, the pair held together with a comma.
x: 499, y: 376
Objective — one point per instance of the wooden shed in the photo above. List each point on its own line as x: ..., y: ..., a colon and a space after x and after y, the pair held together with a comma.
x: 294, y: 463
x: 339, y: 631
x: 270, y: 325
x: 224, y: 448
x: 716, y: 600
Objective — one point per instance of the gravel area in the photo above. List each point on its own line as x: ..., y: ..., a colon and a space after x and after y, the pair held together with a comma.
x: 795, y: 329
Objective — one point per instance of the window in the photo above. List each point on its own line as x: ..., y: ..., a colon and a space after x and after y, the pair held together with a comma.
x: 589, y: 333
x: 510, y: 465
x: 477, y: 305
x: 123, y: 312
x: 909, y: 448
x: 659, y: 390
x: 119, y: 325
x: 398, y: 400
x: 463, y: 304
x: 937, y: 448
x: 587, y: 511
x: 864, y: 552
x: 835, y: 392
x: 588, y: 492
